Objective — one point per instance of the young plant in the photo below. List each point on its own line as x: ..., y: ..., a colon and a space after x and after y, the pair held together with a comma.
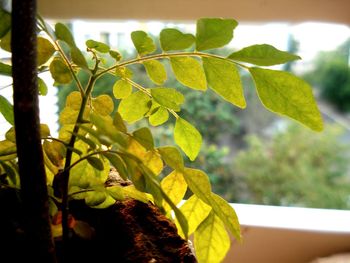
x: 94, y: 135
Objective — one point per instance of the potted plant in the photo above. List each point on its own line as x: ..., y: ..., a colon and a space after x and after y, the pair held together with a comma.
x: 82, y: 191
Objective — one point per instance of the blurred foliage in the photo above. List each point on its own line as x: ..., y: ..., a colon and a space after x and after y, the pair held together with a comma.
x: 332, y: 76
x: 297, y: 167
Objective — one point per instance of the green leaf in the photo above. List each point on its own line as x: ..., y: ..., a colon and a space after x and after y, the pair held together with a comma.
x: 168, y: 97
x: 45, y: 50
x: 263, y: 55
x: 95, y: 162
x: 122, y: 89
x: 5, y: 22
x: 172, y: 157
x: 174, y: 186
x: 103, y: 104
x: 6, y: 109
x: 98, y: 46
x: 224, y: 79
x: 156, y: 71
x: 131, y: 192
x: 127, y: 108
x: 115, y: 54
x: 119, y: 123
x: 116, y: 192
x: 10, y: 171
x: 173, y: 39
x: 227, y: 214
x: 11, y: 135
x: 199, y: 183
x: 284, y: 93
x: 143, y: 43
x: 5, y: 43
x: 88, y: 141
x: 189, y: 72
x: 42, y: 87
x: 188, y: 138
x: 118, y: 164
x: 160, y: 116
x: 195, y: 211
x: 63, y: 33
x: 214, y: 32
x: 95, y: 198
x: 211, y: 240
x: 5, y: 69
x: 60, y: 71
x: 78, y: 58
x: 7, y: 147
x: 144, y: 137
x: 44, y: 130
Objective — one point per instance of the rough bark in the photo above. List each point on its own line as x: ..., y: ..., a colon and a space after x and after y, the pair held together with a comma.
x: 39, y: 244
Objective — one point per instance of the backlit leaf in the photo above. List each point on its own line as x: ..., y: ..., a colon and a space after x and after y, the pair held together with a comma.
x: 284, y: 93
x: 160, y: 116
x: 10, y: 135
x: 224, y: 79
x: 44, y: 130
x: 153, y: 161
x: 95, y: 198
x: 60, y: 71
x: 174, y: 186
x: 116, y: 191
x: 118, y: 164
x: 131, y: 192
x: 55, y: 151
x: 199, y: 183
x: 188, y: 138
x: 95, y: 162
x: 5, y: 22
x: 227, y: 215
x: 263, y: 55
x: 173, y: 39
x: 214, y: 32
x: 5, y: 69
x: 168, y: 97
x: 195, y: 211
x: 103, y: 104
x: 115, y: 54
x: 6, y: 109
x: 7, y: 147
x: 144, y: 137
x: 128, y: 110
x: 45, y: 50
x: 143, y: 43
x: 122, y: 89
x: 63, y: 33
x: 98, y: 46
x: 74, y: 100
x: 156, y: 71
x: 5, y: 43
x: 211, y: 240
x: 124, y: 72
x: 172, y: 157
x: 119, y: 123
x: 78, y: 58
x: 189, y: 72
x: 42, y: 87
x: 68, y: 116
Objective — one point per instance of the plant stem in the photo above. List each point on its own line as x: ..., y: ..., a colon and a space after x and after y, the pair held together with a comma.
x: 167, y: 55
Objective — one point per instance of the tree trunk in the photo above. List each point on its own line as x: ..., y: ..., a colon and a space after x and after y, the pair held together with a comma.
x: 39, y: 244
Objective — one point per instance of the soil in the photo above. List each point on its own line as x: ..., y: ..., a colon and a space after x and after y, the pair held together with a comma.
x: 128, y: 231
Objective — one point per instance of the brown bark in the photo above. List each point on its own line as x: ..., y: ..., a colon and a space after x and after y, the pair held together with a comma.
x: 39, y: 244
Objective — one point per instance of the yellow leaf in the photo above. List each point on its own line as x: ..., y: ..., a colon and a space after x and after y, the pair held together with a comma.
x: 174, y: 186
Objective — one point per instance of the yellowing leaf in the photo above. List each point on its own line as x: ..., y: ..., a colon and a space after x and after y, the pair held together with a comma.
x: 124, y: 72
x: 134, y: 107
x: 284, y: 93
x: 74, y: 100
x: 199, y: 183
x: 195, y: 211
x: 144, y: 137
x: 42, y: 88
x: 168, y: 97
x: 119, y: 123
x: 143, y: 43
x: 224, y: 79
x: 173, y: 39
x: 68, y: 116
x: 189, y: 72
x: 174, y: 186
x: 263, y: 55
x: 214, y: 32
x: 188, y: 138
x: 131, y: 192
x: 160, y: 116
x: 122, y: 89
x: 156, y: 71
x: 172, y: 157
x: 45, y: 50
x: 227, y: 214
x: 153, y: 161
x: 211, y: 240
x: 60, y: 72
x: 103, y: 104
